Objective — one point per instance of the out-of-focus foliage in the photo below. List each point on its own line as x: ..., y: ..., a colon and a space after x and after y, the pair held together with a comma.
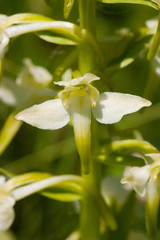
x: 124, y: 41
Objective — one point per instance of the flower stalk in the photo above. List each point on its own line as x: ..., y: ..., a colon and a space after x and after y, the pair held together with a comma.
x: 89, y: 220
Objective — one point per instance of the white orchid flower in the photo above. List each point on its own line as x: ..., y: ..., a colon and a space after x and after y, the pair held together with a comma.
x: 4, y: 39
x: 31, y: 82
x: 76, y: 101
x: 23, y: 186
x: 139, y: 177
x: 6, y: 206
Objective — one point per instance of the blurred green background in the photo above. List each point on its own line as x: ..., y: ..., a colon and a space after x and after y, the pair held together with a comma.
x: 32, y: 149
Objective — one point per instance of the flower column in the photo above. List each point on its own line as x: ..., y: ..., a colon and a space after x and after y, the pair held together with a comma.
x: 89, y: 222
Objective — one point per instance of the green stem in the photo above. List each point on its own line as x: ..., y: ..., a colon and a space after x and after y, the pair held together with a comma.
x: 89, y: 220
x: 155, y: 44
x: 152, y: 84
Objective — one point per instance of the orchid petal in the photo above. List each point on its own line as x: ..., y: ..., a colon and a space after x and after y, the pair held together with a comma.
x: 6, y: 219
x: 13, y: 95
x: 3, y: 18
x: 154, y: 156
x: 90, y: 77
x: 6, y: 206
x: 87, y: 78
x: 138, y: 178
x: 33, y: 75
x: 47, y: 115
x: 111, y: 106
x: 4, y: 40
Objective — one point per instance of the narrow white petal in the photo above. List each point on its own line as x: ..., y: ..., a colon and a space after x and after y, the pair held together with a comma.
x: 16, y: 30
x: 138, y: 178
x: 111, y: 106
x: 48, y: 115
x: 29, y: 189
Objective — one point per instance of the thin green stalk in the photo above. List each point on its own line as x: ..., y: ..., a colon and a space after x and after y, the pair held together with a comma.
x: 151, y: 86
x: 155, y: 44
x: 90, y: 220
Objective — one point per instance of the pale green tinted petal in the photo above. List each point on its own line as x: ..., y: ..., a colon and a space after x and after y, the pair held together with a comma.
x: 40, y: 74
x: 90, y: 77
x: 33, y: 75
x: 111, y: 106
x: 152, y: 23
x: 138, y: 178
x: 155, y: 166
x: 113, y: 191
x: 12, y: 94
x: 87, y: 78
x: 6, y: 219
x: 48, y: 115
x: 4, y: 40
x: 3, y: 18
x: 6, y: 211
x: 154, y: 156
x: 67, y: 75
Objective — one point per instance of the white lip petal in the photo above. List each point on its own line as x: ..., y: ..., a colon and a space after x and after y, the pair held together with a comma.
x: 48, y: 115
x: 111, y: 106
x: 81, y: 119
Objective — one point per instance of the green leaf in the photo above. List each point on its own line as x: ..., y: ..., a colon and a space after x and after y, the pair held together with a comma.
x: 126, y: 49
x: 68, y: 4
x: 66, y: 192
x: 125, y: 152
x: 150, y: 3
x: 121, y: 160
x: 8, y: 131
x: 6, y: 173
x: 64, y: 197
x: 124, y: 219
x: 51, y: 2
x: 56, y: 38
